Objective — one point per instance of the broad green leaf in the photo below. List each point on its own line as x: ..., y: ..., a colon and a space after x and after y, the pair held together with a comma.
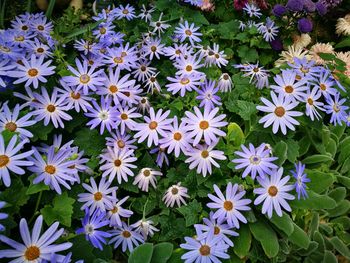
x: 344, y: 180
x: 162, y: 252
x: 176, y: 256
x: 338, y: 194
x: 320, y: 181
x: 317, y: 158
x: 243, y: 242
x: 40, y: 131
x: 340, y: 247
x: 329, y: 257
x: 343, y: 43
x: 317, y: 236
x: 314, y: 201
x: 235, y: 134
x: 90, y: 141
x: 15, y: 195
x: 314, y: 224
x: 299, y: 237
x: 191, y: 211
x: 266, y: 236
x: 141, y: 254
x: 246, y: 109
x: 61, y: 210
x: 292, y: 151
x: 343, y: 220
x: 284, y: 223
x: 280, y: 151
x: 341, y: 209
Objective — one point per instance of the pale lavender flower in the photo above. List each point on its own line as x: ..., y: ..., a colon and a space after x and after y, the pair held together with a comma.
x: 205, y: 125
x: 116, y: 214
x: 301, y: 180
x: 188, y: 31
x: 225, y: 83
x: 312, y: 105
x: 74, y: 99
x: 229, y: 207
x: 127, y: 12
x: 183, y: 83
x: 121, y: 141
x: 207, y: 95
x: 126, y: 237
x: 175, y: 194
x: 155, y: 125
x: 145, y: 227
x: 125, y: 118
x: 11, y: 160
x: 153, y: 48
x: 274, y: 193
x: 100, y: 197
x: 145, y: 177
x: 35, y: 248
x: 335, y: 107
x: 255, y: 160
x: 188, y: 65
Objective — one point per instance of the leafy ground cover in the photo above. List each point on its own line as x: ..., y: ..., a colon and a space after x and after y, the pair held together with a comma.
x: 175, y: 131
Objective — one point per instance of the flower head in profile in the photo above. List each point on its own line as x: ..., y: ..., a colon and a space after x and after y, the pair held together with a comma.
x: 301, y: 180
x: 175, y: 194
x: 274, y: 193
x: 145, y: 227
x: 229, y: 207
x: 35, y: 247
x: 145, y: 177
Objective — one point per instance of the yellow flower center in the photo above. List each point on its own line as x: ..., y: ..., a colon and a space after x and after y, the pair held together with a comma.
x: 272, y: 191
x: 153, y: 125
x: 4, y: 160
x: 228, y: 205
x: 51, y: 108
x: 11, y: 126
x: 84, y: 78
x: 280, y: 111
x: 204, y: 125
x: 98, y: 196
x: 50, y: 169
x: 33, y: 72
x: 32, y: 253
x: 177, y: 136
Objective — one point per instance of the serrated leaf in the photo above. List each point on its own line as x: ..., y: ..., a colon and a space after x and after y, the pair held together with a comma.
x: 191, y: 212
x: 90, y: 141
x: 246, y: 109
x: 141, y: 254
x: 61, y: 210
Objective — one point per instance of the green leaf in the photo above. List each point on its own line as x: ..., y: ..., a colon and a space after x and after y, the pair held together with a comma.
x: 176, y: 256
x: 266, y: 236
x: 141, y: 254
x: 36, y: 188
x: 247, y: 54
x: 235, y: 134
x: 329, y: 257
x: 317, y: 158
x: 341, y: 209
x: 40, y: 131
x: 299, y: 237
x: 343, y: 43
x: 338, y: 194
x: 284, y: 223
x: 340, y: 247
x: 292, y: 151
x: 280, y: 151
x: 243, y: 242
x: 162, y: 252
x: 314, y: 201
x: 191, y: 211
x: 15, y: 196
x: 246, y: 109
x: 61, y: 210
x: 90, y: 141
x: 320, y: 181
x: 344, y: 180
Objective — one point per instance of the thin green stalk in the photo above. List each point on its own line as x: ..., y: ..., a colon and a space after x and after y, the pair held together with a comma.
x: 29, y: 6
x: 50, y: 8
x: 144, y: 210
x: 36, y: 206
x: 2, y: 15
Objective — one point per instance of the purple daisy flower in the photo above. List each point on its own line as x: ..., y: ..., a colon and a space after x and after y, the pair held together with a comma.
x: 2, y: 215
x: 117, y: 212
x: 325, y: 83
x: 216, y: 228
x: 274, y: 193
x: 53, y: 168
x: 255, y: 160
x: 32, y: 71
x: 188, y: 31
x: 145, y: 177
x: 10, y: 121
x: 126, y: 237
x: 50, y: 108
x: 155, y: 124
x: 175, y: 194
x: 91, y: 225
x: 176, y: 139
x: 336, y: 108
x: 279, y: 113
x: 10, y: 160
x: 74, y: 99
x: 203, y: 157
x: 127, y: 12
x: 35, y: 248
x: 183, y: 83
x: 84, y: 78
x: 312, y: 105
x: 100, y: 197
x: 153, y: 48
x: 125, y: 118
x: 118, y: 163
x: 207, y: 95
x: 121, y: 141
x: 204, y: 125
x: 188, y: 65
x: 104, y: 115
x: 5, y: 66
x: 161, y: 156
x: 229, y: 208
x: 104, y: 30
x: 207, y: 250
x: 301, y: 178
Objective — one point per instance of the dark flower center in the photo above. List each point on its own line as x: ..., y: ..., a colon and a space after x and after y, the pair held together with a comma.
x: 4, y: 160
x: 103, y: 31
x: 153, y: 48
x: 289, y: 89
x: 98, y: 196
x: 188, y: 32
x: 174, y: 191
x: 32, y: 253
x: 310, y: 101
x: 205, y: 154
x: 143, y: 68
x: 204, y: 125
x: 226, y: 76
x: 228, y: 205
x: 272, y: 190
x: 40, y: 50
x: 126, y: 234
x: 51, y: 108
x: 124, y: 116
x: 216, y: 230
x: 33, y: 72
x: 280, y: 111
x: 125, y: 11
x: 117, y: 163
x: 41, y: 28
x: 75, y: 96
x: 204, y: 250
x: 146, y: 173
x: 24, y: 27
x: 11, y: 126
x: 50, y: 169
x: 188, y: 68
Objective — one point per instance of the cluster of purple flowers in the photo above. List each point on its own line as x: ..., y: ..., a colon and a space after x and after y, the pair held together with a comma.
x: 303, y: 83
x: 268, y: 29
